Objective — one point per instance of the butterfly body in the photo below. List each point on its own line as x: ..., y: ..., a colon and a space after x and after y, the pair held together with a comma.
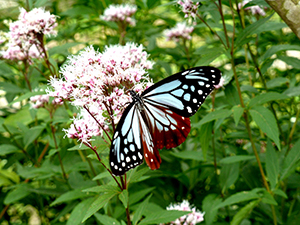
x: 159, y: 117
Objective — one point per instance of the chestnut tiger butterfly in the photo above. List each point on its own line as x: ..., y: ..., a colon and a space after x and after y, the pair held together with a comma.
x: 159, y: 117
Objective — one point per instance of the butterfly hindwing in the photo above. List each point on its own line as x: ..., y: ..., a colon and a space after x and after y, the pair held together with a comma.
x: 168, y: 129
x: 184, y: 92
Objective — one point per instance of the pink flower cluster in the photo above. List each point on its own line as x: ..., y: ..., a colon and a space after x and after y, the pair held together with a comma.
x: 180, y: 31
x: 98, y: 83
x: 40, y: 101
x: 24, y: 34
x: 255, y: 10
x: 193, y: 218
x: 189, y: 7
x: 120, y: 13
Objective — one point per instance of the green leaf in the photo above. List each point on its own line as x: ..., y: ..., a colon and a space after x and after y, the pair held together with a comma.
x: 292, y: 61
x: 236, y: 158
x: 244, y: 212
x: 78, y: 147
x: 32, y: 134
x: 123, y: 196
x: 97, y: 204
x: 272, y: 165
x: 210, y: 56
x: 163, y: 216
x: 209, y: 207
x: 239, y: 197
x: 140, y: 210
x: 138, y: 195
x: 218, y: 114
x: 27, y: 96
x: 237, y: 113
x: 23, y: 116
x: 21, y: 191
x: 70, y: 195
x: 276, y: 48
x: 277, y: 82
x: 268, y: 198
x: 104, y: 219
x: 192, y: 155
x: 232, y: 95
x: 63, y: 49
x: 291, y: 161
x: 79, y: 211
x: 229, y: 175
x: 137, y: 175
x: 266, y: 97
x: 265, y: 120
x: 205, y: 139
x: 8, y: 149
x: 250, y: 30
x: 103, y: 188
x: 292, y: 91
x: 11, y: 88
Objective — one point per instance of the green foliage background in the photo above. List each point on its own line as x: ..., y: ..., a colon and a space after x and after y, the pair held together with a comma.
x: 240, y: 163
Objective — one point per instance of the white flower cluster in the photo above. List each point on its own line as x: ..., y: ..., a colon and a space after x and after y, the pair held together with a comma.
x: 255, y: 10
x: 180, y: 31
x: 120, y: 13
x: 189, y: 7
x: 191, y: 219
x: 97, y: 82
x: 23, y: 34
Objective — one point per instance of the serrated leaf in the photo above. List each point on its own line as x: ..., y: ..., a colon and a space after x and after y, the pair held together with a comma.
x: 32, y: 134
x: 277, y: 82
x: 21, y: 191
x: 244, y: 212
x: 8, y: 149
x: 136, y: 174
x: 266, y: 97
x: 218, y: 114
x: 97, y: 204
x: 205, y: 139
x: 250, y: 30
x: 276, y: 48
x: 237, y: 113
x: 192, y: 155
x: 236, y: 158
x: 291, y: 161
x: 268, y: 198
x: 209, y: 207
x: 232, y: 95
x: 123, y: 196
x: 104, y: 219
x: 138, y: 195
x: 163, y: 216
x: 103, y: 188
x: 239, y: 197
x: 292, y: 91
x: 265, y: 120
x: 70, y: 195
x: 272, y: 165
x: 140, y: 210
x: 292, y: 61
x: 79, y: 211
x: 229, y: 175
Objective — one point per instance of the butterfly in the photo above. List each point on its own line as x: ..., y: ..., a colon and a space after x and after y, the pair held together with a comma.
x: 159, y: 117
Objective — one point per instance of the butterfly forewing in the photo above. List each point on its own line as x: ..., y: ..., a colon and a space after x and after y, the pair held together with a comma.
x: 184, y: 92
x: 126, y: 150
